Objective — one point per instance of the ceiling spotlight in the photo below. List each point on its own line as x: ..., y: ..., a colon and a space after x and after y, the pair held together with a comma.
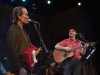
x: 48, y: 1
x: 23, y: 0
x: 79, y: 3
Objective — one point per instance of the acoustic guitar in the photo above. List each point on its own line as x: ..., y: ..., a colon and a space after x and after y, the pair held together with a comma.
x: 61, y: 55
x: 30, y: 55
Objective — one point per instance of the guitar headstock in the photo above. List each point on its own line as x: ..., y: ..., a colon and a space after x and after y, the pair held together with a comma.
x: 93, y: 43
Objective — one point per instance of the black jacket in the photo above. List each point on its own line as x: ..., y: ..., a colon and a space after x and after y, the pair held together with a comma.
x: 17, y: 42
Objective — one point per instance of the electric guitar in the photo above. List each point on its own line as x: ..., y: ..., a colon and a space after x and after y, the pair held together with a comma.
x: 30, y: 55
x: 61, y: 55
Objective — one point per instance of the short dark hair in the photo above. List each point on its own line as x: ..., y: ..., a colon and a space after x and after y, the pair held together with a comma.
x: 17, y: 11
x: 72, y: 27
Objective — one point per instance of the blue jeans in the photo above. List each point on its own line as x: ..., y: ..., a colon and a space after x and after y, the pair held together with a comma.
x: 2, y: 68
x: 72, y: 67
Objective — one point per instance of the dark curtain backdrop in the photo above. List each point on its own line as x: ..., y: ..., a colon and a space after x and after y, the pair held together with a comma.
x: 52, y: 30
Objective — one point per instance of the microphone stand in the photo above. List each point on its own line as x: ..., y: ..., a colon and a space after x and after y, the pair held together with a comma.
x: 90, y: 53
x: 41, y: 40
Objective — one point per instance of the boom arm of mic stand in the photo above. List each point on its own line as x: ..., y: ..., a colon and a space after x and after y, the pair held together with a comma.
x: 90, y: 45
x: 87, y: 42
x: 41, y: 39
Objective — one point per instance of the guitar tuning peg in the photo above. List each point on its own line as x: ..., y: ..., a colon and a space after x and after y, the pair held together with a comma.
x: 94, y: 43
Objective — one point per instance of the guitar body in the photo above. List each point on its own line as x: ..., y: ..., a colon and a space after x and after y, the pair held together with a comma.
x: 61, y: 55
x: 29, y: 58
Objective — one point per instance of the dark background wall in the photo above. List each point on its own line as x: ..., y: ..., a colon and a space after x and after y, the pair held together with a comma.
x: 52, y: 30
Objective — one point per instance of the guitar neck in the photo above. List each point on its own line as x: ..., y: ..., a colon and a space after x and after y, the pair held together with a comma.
x: 37, y: 51
x: 92, y: 43
x: 77, y: 48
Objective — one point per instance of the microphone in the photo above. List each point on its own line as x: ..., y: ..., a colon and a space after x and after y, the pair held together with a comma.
x: 29, y: 20
x: 78, y: 34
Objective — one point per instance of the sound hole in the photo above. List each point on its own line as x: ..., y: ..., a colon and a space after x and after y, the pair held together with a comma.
x: 64, y: 53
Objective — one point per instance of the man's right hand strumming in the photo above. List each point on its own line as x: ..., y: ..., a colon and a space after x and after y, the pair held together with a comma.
x: 67, y: 48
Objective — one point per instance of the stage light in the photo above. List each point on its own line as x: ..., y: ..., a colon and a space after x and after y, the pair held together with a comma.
x: 79, y: 3
x: 23, y: 0
x: 49, y: 2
